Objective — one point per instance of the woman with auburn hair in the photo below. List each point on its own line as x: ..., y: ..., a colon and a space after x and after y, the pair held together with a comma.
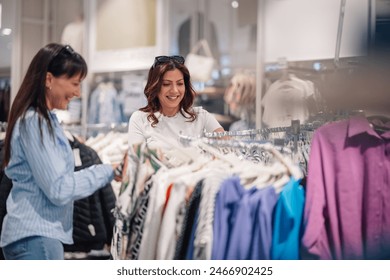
x: 169, y: 111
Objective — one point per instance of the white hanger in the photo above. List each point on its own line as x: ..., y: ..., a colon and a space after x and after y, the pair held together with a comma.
x: 69, y: 135
x: 264, y: 176
x: 292, y: 168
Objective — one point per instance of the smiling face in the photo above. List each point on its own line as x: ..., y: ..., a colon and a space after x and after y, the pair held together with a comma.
x: 172, y: 92
x: 60, y: 90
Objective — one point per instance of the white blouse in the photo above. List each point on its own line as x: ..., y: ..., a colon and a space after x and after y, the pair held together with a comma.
x: 140, y: 129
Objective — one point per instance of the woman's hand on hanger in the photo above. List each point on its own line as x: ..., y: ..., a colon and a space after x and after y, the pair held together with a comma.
x: 221, y: 130
x: 119, y: 168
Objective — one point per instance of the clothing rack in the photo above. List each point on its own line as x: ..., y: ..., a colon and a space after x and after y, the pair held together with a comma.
x: 4, y: 83
x: 3, y: 126
x: 295, y: 128
x: 86, y: 130
x: 120, y: 127
x: 3, y: 129
x: 161, y: 231
x: 294, y: 131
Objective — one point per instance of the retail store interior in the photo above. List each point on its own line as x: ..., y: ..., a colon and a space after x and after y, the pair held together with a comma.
x: 271, y: 72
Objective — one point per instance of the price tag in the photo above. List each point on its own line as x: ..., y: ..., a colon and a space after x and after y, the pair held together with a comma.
x: 77, y: 158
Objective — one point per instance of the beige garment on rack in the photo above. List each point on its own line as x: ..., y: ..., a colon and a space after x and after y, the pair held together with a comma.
x: 286, y: 100
x: 73, y: 35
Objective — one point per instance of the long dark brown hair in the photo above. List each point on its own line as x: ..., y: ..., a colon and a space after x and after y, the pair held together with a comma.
x: 56, y: 59
x: 153, y: 87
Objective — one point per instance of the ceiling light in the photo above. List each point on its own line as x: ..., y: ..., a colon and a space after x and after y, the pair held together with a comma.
x: 235, y: 4
x: 6, y: 31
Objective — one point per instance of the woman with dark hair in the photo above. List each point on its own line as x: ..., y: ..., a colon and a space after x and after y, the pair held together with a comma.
x: 169, y: 111
x: 40, y: 162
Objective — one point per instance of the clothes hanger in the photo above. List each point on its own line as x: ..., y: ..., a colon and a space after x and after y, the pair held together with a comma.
x: 230, y: 159
x: 265, y: 178
x: 291, y: 167
x: 379, y: 120
x: 251, y: 172
x: 69, y: 135
x: 285, y: 75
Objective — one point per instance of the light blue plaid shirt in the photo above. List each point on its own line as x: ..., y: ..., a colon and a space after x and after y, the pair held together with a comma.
x: 44, y: 183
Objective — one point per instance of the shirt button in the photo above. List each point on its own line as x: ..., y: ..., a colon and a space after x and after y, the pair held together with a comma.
x: 380, y: 164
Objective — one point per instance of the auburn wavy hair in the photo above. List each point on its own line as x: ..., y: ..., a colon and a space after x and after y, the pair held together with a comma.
x: 153, y: 87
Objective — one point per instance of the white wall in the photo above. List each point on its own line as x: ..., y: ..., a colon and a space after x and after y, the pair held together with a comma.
x: 124, y: 24
x: 307, y: 29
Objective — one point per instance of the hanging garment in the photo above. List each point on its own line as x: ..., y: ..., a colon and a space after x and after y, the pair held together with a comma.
x: 190, y: 246
x: 204, y: 231
x: 5, y: 189
x: 110, y: 147
x: 93, y: 220
x: 243, y: 222
x: 285, y: 101
x: 132, y: 96
x: 173, y: 215
x: 103, y: 105
x: 195, y: 209
x: 347, y: 211
x: 73, y: 35
x: 126, y: 203
x: 187, y: 235
x: 287, y: 222
x: 5, y: 101
x: 242, y: 125
x: 150, y: 239
x: 137, y: 222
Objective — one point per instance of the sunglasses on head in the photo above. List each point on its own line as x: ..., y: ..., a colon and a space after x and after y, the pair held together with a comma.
x: 164, y: 59
x: 68, y: 50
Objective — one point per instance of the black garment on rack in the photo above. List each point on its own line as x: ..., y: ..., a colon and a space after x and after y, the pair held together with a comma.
x: 93, y: 219
x: 189, y: 222
x: 5, y: 102
x: 5, y: 188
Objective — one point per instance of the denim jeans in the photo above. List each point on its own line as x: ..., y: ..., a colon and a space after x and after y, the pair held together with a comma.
x: 34, y: 248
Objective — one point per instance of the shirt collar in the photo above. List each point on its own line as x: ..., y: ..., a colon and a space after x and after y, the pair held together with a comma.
x: 359, y: 125
x: 53, y: 116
